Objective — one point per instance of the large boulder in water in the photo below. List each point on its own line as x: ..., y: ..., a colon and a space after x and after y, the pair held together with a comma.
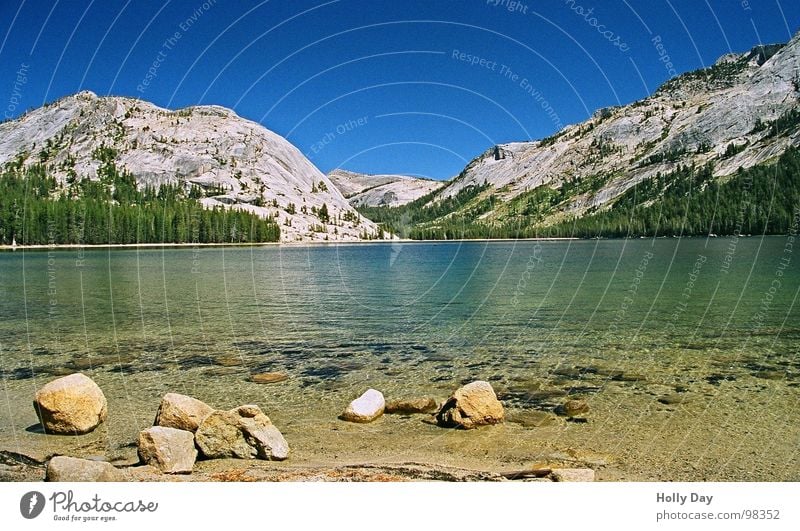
x: 72, y: 405
x: 72, y: 469
x: 365, y: 408
x: 471, y: 406
x: 244, y: 433
x: 182, y: 412
x: 170, y: 450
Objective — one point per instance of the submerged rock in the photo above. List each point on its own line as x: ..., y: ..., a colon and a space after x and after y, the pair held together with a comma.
x: 472, y: 405
x: 63, y: 468
x: 244, y: 433
x: 170, y: 450
x: 229, y: 361
x: 269, y: 377
x: 533, y: 419
x: 72, y: 405
x: 182, y: 412
x: 365, y: 408
x: 673, y: 399
x: 411, y: 406
x: 572, y: 408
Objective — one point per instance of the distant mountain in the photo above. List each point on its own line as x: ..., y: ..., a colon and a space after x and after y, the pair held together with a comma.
x: 236, y: 163
x: 364, y: 190
x: 742, y: 112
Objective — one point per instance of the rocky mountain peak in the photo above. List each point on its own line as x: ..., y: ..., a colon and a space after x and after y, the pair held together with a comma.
x: 723, y: 115
x: 236, y: 162
x: 381, y: 190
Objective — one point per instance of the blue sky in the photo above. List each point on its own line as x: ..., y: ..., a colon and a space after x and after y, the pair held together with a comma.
x: 378, y: 86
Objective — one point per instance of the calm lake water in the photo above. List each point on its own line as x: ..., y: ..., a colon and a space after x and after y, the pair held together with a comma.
x: 686, y: 350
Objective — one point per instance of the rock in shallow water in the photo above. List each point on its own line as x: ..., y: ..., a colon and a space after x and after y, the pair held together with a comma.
x: 472, y: 405
x: 72, y: 405
x: 676, y: 398
x: 63, y: 468
x: 182, y: 412
x: 269, y: 377
x: 170, y: 450
x: 572, y: 408
x: 411, y: 406
x: 244, y: 433
x: 365, y: 408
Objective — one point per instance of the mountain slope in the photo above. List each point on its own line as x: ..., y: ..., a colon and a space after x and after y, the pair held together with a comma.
x: 237, y: 163
x: 364, y: 190
x: 741, y: 112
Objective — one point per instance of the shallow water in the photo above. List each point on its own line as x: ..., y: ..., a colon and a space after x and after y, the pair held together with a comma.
x: 686, y: 350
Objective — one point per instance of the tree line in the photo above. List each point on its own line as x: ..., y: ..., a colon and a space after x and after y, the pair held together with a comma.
x: 688, y: 201
x: 36, y: 209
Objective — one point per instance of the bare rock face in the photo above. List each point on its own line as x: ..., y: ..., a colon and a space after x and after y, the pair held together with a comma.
x: 72, y: 405
x: 243, y: 433
x: 691, y: 120
x: 63, y: 468
x: 411, y: 406
x: 170, y: 450
x: 381, y: 190
x: 471, y: 406
x: 241, y: 165
x: 365, y: 408
x: 182, y: 412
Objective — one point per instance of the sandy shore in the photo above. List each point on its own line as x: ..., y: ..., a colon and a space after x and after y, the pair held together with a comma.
x: 20, y: 467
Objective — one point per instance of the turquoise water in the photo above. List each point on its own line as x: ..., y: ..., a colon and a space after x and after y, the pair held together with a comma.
x: 540, y: 320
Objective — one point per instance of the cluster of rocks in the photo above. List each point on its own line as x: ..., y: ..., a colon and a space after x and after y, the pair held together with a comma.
x: 184, y: 429
x: 471, y: 406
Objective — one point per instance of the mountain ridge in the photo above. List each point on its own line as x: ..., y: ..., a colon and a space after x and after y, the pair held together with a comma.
x: 236, y: 162
x: 367, y: 190
x: 722, y: 114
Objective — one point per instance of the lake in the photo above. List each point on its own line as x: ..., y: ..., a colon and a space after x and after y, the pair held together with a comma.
x: 686, y: 350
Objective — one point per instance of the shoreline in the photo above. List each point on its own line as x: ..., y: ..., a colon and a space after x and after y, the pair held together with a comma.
x: 19, y: 467
x: 77, y: 246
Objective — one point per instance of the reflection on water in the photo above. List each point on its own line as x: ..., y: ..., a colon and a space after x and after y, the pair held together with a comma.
x: 669, y: 325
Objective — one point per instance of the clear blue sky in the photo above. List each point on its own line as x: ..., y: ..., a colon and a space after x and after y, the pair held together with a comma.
x: 373, y: 85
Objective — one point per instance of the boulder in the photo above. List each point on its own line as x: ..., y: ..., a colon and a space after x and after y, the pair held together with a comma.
x: 170, y: 450
x: 63, y: 468
x: 244, y: 433
x: 365, y: 408
x: 181, y: 412
x: 572, y: 408
x: 411, y: 406
x: 261, y: 434
x: 220, y: 436
x: 72, y: 405
x: 572, y: 474
x: 471, y: 406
